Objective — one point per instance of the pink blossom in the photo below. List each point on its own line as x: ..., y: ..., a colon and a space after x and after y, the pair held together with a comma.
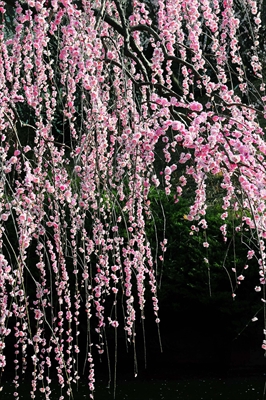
x: 167, y: 171
x: 250, y: 254
x: 4, y: 217
x: 176, y: 125
x: 195, y: 106
x: 38, y: 314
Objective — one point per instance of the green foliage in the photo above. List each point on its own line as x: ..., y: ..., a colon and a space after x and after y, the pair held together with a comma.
x: 194, y: 278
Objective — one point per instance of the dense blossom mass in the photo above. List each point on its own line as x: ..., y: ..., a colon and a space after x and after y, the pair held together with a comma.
x: 91, y: 92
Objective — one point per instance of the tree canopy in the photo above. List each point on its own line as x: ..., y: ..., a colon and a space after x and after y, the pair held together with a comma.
x: 103, y: 103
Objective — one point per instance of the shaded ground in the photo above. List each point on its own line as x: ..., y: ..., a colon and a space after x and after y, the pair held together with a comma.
x: 244, y: 388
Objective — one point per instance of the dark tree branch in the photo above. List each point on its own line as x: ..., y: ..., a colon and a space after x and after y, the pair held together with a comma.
x: 139, y: 58
x: 149, y: 29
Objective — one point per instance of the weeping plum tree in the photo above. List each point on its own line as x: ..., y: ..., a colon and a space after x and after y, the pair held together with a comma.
x: 100, y: 102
